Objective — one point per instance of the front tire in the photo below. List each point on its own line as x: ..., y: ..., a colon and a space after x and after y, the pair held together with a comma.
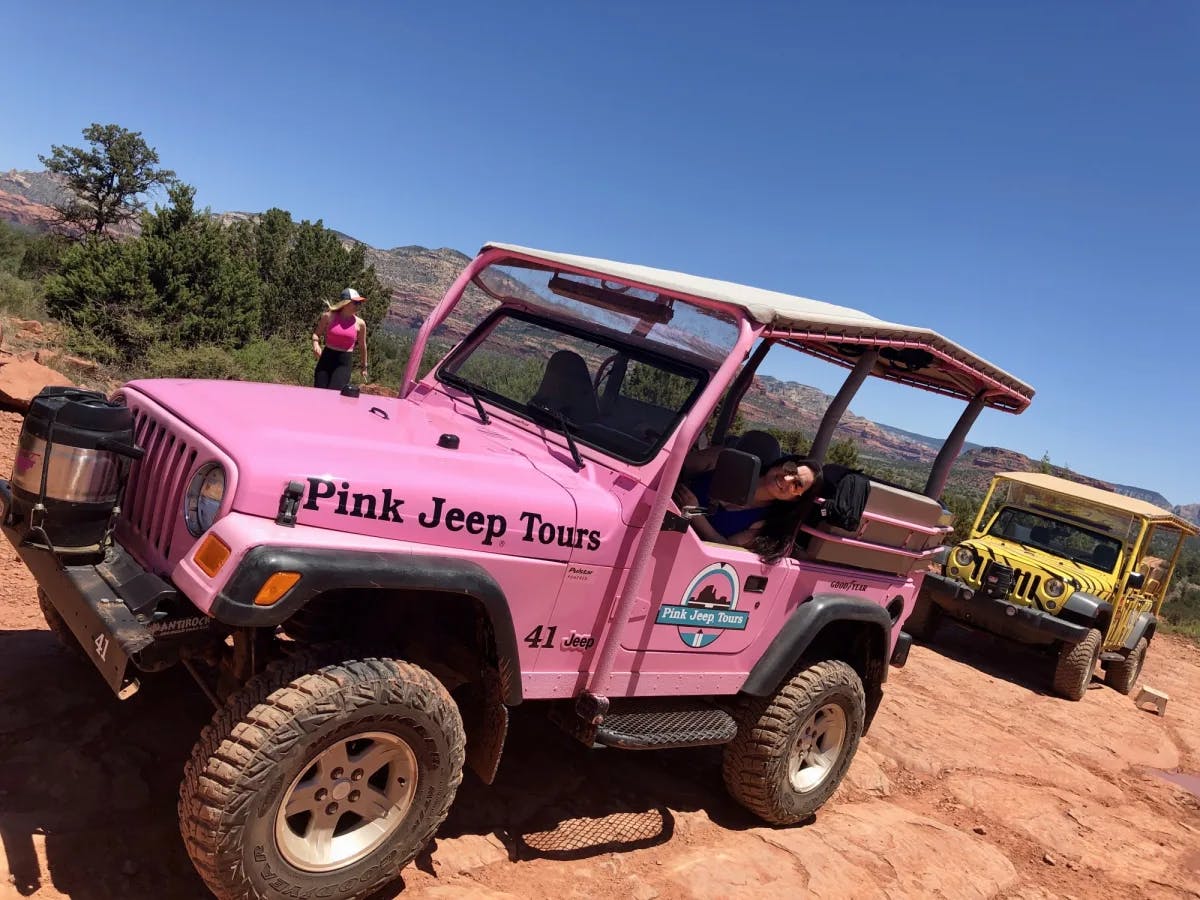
x: 321, y: 780
x: 59, y: 628
x: 792, y: 748
x: 1076, y: 663
x: 1122, y: 676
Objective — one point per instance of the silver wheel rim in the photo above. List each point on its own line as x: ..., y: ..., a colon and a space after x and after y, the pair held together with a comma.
x: 348, y: 801
x: 817, y: 748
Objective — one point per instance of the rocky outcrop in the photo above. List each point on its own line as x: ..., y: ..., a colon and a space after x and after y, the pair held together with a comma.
x: 22, y: 379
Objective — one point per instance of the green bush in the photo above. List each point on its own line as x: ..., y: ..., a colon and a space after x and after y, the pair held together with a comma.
x: 165, y: 361
x: 21, y: 298
x: 276, y: 359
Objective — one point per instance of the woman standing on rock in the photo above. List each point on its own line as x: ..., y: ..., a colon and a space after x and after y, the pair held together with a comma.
x: 340, y: 329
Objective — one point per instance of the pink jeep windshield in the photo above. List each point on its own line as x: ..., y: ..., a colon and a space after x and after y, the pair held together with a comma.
x: 613, y: 395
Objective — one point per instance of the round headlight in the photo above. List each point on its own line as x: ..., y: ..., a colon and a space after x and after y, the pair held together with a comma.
x: 205, y: 493
x: 963, y: 556
x: 1054, y: 588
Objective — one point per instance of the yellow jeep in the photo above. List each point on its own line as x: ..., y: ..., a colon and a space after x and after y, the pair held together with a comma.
x: 1077, y: 569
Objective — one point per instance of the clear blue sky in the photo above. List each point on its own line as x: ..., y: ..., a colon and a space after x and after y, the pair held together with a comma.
x: 1021, y: 176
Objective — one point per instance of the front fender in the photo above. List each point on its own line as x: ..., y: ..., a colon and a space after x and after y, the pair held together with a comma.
x: 1086, y: 609
x: 803, y: 627
x: 326, y: 570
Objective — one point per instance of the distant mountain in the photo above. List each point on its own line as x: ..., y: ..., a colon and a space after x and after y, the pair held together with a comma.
x: 1189, y: 511
x: 419, y: 276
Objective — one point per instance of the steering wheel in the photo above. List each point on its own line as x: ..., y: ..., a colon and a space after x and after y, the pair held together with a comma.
x: 604, y: 371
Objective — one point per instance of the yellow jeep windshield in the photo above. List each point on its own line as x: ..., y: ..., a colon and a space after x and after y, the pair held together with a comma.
x: 1065, y: 539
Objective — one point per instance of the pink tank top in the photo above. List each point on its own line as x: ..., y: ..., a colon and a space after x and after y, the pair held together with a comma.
x: 341, y: 333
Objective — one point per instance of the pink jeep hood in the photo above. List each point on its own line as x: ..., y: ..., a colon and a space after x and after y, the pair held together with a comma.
x: 381, y: 472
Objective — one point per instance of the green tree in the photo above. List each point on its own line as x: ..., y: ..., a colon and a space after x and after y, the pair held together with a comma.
x: 1043, y: 465
x: 104, y: 293
x: 204, y: 274
x: 843, y: 453
x: 302, y: 266
x: 108, y: 178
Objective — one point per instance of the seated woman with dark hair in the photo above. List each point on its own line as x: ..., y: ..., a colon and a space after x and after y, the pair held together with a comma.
x: 768, y: 524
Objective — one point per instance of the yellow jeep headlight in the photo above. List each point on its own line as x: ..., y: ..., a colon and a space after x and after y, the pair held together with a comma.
x: 963, y: 556
x: 1054, y: 588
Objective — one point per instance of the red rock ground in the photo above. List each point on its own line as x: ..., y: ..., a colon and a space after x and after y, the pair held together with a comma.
x: 972, y: 783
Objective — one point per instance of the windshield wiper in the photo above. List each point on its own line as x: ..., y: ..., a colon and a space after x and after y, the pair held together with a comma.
x: 471, y: 391
x: 558, y: 416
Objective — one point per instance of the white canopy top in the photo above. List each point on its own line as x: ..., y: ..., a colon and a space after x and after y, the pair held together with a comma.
x: 830, y: 331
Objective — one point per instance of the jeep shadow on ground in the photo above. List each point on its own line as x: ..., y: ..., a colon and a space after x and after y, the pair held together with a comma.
x: 1025, y: 666
x: 556, y: 799
x: 88, y: 784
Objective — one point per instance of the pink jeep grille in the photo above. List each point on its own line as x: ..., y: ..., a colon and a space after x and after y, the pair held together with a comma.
x: 154, y: 497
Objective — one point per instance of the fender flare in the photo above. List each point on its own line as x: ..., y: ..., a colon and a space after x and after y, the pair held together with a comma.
x: 1087, y: 609
x: 1143, y: 626
x: 804, y: 624
x: 324, y: 570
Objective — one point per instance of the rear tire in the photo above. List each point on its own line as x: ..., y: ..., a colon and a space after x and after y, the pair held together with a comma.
x: 1076, y: 663
x: 792, y: 748
x: 321, y: 780
x: 1122, y: 676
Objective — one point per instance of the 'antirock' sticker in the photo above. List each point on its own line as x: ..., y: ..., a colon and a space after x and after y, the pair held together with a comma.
x: 709, y: 607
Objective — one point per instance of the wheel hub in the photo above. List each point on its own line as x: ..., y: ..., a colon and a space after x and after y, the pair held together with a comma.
x: 818, y: 746
x: 346, y: 802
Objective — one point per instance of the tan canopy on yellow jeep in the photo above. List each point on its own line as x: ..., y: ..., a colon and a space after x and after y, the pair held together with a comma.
x: 1099, y: 497
x: 919, y: 356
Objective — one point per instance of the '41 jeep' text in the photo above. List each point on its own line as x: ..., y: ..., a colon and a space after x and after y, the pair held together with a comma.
x: 365, y: 586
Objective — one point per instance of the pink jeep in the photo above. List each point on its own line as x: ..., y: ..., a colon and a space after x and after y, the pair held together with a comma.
x: 364, y: 586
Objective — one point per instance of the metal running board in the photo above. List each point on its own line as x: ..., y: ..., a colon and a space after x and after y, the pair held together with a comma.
x: 664, y: 724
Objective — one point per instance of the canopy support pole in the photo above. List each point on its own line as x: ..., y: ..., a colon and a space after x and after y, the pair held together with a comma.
x: 953, y: 446
x: 838, y: 405
x: 733, y: 397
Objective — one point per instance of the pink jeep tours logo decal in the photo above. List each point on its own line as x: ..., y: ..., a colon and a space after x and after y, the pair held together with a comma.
x: 709, y: 607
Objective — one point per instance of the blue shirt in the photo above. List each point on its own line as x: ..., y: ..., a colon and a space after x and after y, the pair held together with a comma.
x: 727, y: 522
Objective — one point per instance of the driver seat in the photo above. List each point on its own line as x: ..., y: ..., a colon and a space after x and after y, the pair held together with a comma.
x: 567, y: 387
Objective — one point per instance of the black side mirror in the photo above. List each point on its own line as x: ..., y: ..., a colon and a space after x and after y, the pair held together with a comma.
x: 735, y: 478
x: 1136, y: 581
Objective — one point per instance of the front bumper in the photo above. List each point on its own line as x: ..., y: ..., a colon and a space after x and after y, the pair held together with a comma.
x: 1010, y: 620
x: 121, y: 614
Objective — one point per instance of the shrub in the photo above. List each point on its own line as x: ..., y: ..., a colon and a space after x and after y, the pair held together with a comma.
x: 21, y: 298
x: 165, y: 361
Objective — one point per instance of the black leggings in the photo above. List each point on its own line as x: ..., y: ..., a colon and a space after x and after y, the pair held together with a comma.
x: 333, y: 369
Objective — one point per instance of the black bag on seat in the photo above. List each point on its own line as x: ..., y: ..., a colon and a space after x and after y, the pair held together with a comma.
x: 846, y: 492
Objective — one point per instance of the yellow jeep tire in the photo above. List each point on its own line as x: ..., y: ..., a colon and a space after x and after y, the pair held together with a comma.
x: 1076, y: 663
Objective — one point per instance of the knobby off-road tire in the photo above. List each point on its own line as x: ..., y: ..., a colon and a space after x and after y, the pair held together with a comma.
x: 923, y: 621
x: 59, y: 628
x: 1073, y: 672
x: 793, y: 748
x: 271, y: 798
x: 1121, y: 676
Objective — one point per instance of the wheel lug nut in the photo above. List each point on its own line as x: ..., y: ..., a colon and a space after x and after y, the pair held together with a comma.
x: 354, y: 795
x: 322, y: 793
x: 331, y: 809
x: 356, y: 775
x: 337, y: 773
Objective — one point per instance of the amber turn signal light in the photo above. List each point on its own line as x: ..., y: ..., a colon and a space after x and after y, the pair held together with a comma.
x: 211, y: 555
x: 275, y: 587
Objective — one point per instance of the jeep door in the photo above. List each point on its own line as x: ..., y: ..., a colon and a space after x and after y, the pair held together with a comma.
x: 704, y: 597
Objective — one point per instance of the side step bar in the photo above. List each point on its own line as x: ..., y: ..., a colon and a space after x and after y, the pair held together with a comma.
x: 654, y: 724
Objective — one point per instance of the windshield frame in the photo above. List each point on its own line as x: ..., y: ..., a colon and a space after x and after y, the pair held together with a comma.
x: 445, y: 375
